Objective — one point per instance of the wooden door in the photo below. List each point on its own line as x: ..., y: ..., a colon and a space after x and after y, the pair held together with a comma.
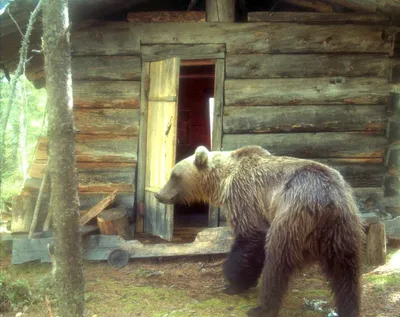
x: 162, y: 113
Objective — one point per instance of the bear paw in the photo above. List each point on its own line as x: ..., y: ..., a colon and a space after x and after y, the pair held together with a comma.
x: 233, y: 290
x: 261, y: 312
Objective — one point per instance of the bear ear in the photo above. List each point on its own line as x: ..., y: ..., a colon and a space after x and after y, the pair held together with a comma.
x: 201, y: 157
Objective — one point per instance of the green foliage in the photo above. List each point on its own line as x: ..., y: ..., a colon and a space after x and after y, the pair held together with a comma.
x: 17, y: 293
x: 33, y: 102
x: 13, y: 293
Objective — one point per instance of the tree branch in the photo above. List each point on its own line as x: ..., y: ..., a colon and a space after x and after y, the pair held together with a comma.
x: 19, y: 71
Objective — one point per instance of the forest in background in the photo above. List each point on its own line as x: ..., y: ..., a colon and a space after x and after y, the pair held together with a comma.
x: 26, y: 123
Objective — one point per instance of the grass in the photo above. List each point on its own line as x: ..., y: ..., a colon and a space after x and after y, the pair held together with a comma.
x: 186, y: 287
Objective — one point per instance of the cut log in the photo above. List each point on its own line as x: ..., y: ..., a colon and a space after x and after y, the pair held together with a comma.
x: 238, y: 119
x: 96, y: 209
x: 107, y: 121
x: 106, y: 94
x: 318, y: 17
x: 167, y: 16
x: 106, y: 68
x: 114, y: 221
x: 313, y: 145
x: 240, y: 38
x: 376, y: 244
x: 220, y: 10
x: 264, y: 66
x: 339, y: 90
x: 184, y: 51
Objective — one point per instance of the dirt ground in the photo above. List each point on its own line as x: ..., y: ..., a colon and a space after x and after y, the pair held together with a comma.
x: 193, y: 287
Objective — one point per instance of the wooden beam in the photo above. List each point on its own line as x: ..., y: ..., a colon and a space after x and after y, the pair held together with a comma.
x: 314, y: 5
x: 313, y: 145
x: 263, y: 66
x: 220, y: 10
x: 105, y: 68
x: 167, y: 16
x: 107, y: 121
x: 97, y: 148
x: 389, y: 8
x: 318, y: 17
x: 323, y: 90
x: 304, y: 118
x: 240, y: 38
x: 153, y: 52
x: 106, y: 94
x: 141, y: 174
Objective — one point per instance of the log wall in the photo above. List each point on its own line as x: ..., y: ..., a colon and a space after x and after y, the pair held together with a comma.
x: 303, y: 85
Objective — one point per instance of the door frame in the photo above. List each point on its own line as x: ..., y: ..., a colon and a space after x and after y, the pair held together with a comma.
x: 203, y: 54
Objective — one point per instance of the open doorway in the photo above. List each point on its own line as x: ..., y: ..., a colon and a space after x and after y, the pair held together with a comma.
x: 195, y: 110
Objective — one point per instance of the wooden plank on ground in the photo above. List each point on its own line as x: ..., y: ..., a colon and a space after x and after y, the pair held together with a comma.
x: 106, y: 94
x: 324, y: 90
x: 98, y: 247
x: 151, y: 52
x: 106, y: 68
x: 306, y: 65
x: 121, y: 38
x: 304, y: 118
x: 96, y: 209
x: 313, y: 145
x: 318, y: 17
x: 107, y: 121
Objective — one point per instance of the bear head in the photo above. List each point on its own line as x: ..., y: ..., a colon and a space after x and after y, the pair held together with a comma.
x: 184, y: 185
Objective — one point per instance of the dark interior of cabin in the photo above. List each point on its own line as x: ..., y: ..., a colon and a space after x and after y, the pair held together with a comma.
x: 196, y: 87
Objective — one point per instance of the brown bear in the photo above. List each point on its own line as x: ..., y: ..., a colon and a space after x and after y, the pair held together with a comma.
x: 308, y: 206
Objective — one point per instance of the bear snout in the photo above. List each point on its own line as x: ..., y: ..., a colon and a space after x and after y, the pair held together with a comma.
x: 162, y: 199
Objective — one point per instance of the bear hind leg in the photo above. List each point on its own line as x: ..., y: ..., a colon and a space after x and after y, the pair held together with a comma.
x: 342, y: 268
x: 284, y: 254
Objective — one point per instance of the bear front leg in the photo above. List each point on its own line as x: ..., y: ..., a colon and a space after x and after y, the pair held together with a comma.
x: 245, y: 261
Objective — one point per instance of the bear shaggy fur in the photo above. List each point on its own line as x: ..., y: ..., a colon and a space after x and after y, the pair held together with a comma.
x: 284, y: 212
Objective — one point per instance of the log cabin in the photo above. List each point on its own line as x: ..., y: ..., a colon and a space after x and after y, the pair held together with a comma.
x: 298, y: 78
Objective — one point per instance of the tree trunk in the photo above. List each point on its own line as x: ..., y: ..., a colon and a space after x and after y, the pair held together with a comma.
x: 64, y: 196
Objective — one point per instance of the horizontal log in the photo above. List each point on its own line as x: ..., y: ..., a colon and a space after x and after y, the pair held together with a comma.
x: 359, y: 175
x: 103, y: 121
x: 98, y: 148
x: 106, y: 67
x: 312, y: 145
x: 324, y: 90
x: 167, y: 16
x: 184, y: 51
x: 32, y: 185
x: 306, y: 65
x: 304, y: 119
x: 121, y: 38
x: 317, y: 17
x: 36, y: 169
x: 106, y: 94
x: 104, y: 179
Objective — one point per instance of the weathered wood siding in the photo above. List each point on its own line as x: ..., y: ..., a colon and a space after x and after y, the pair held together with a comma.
x: 312, y: 86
